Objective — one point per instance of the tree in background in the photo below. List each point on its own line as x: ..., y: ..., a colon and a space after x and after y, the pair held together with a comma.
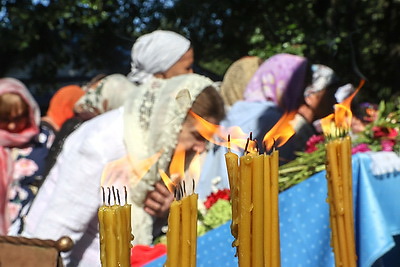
x: 358, y: 38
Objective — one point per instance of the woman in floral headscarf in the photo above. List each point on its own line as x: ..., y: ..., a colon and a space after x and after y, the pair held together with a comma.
x: 277, y: 86
x: 23, y: 145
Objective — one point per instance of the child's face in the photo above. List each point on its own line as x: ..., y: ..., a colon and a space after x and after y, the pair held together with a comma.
x: 14, y: 116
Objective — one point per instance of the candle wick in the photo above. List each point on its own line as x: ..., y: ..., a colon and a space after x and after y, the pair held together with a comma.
x: 257, y: 146
x: 251, y: 135
x: 104, y: 195
x: 119, y: 200
x: 229, y: 143
x: 184, y: 189
x: 109, y: 196
x: 115, y: 198
x: 126, y: 195
x: 193, y: 184
x: 246, y: 146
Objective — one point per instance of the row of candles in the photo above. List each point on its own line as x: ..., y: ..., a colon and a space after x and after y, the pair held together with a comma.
x: 253, y: 180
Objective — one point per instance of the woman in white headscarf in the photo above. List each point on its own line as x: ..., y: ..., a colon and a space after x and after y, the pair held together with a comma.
x: 161, y: 54
x: 154, y: 121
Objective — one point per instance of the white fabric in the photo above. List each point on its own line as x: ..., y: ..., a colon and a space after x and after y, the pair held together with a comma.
x: 344, y: 92
x: 156, y: 52
x: 68, y: 200
x: 384, y: 162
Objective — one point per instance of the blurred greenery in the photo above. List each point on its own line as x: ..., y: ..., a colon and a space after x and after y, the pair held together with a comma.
x: 357, y: 38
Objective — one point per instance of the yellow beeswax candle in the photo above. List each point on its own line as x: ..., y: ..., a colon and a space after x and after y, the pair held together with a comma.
x: 267, y: 210
x: 233, y: 175
x: 258, y: 211
x: 100, y: 214
x: 173, y: 234
x: 245, y: 207
x: 338, y: 153
x: 275, y: 239
x: 185, y: 232
x: 110, y: 236
x: 115, y: 233
x: 193, y: 225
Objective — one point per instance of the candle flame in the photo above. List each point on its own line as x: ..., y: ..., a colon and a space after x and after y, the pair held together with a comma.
x: 127, y: 169
x: 281, y: 132
x: 176, y: 169
x: 167, y: 181
x: 340, y: 121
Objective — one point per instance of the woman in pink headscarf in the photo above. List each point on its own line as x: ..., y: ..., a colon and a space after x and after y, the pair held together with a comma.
x: 19, y: 124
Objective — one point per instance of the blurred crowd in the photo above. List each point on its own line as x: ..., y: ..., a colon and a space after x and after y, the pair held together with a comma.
x: 102, y: 133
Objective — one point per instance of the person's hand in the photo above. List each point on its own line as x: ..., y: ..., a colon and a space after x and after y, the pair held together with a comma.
x: 158, y: 201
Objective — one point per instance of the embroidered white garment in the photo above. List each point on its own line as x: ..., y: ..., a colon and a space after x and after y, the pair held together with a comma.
x: 156, y: 52
x: 152, y: 122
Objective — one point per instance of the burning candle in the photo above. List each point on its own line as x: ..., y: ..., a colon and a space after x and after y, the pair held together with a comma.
x: 182, y: 219
x: 115, y: 232
x: 339, y: 181
x: 254, y: 195
x: 182, y: 231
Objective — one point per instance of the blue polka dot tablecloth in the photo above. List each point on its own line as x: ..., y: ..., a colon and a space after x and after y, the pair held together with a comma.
x: 304, y: 223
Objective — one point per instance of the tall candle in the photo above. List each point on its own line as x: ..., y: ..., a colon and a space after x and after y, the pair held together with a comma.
x: 258, y: 211
x: 338, y: 155
x: 245, y: 208
x: 275, y: 240
x: 173, y: 234
x: 233, y: 175
x: 115, y: 233
x: 182, y: 232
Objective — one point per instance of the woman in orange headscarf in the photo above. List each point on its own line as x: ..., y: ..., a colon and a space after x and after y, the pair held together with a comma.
x: 61, y: 106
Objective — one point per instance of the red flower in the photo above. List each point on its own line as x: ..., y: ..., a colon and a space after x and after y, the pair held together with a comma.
x: 387, y: 144
x: 311, y: 144
x: 360, y: 148
x: 384, y: 132
x: 213, y: 197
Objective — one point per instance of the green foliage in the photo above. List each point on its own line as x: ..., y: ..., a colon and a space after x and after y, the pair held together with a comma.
x: 359, y: 38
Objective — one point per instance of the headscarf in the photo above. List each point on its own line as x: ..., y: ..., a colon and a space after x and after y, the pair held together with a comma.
x: 156, y: 52
x: 237, y: 77
x: 152, y: 122
x: 280, y: 79
x: 322, y: 77
x: 113, y: 88
x: 61, y: 107
x: 7, y: 139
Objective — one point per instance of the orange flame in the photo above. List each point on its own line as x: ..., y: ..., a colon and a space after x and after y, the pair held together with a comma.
x: 127, y: 168
x: 176, y: 169
x: 281, y: 132
x: 167, y: 181
x: 218, y: 135
x: 340, y: 120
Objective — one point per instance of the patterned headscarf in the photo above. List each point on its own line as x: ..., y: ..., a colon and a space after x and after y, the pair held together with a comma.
x: 112, y: 89
x: 156, y: 52
x: 322, y: 77
x: 237, y: 77
x: 280, y: 79
x: 152, y: 122
x: 7, y: 139
x: 61, y: 106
